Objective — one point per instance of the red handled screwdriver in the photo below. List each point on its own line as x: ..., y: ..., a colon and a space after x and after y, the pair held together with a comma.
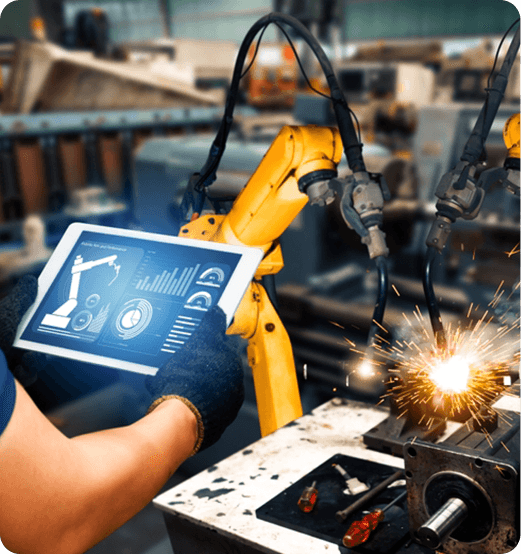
x: 359, y: 531
x: 308, y: 498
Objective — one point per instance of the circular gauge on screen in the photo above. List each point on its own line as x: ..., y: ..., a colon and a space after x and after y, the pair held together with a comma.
x: 81, y: 320
x: 201, y: 301
x: 134, y: 318
x: 212, y: 277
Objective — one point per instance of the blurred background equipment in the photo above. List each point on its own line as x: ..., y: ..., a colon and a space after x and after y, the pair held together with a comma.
x: 108, y: 108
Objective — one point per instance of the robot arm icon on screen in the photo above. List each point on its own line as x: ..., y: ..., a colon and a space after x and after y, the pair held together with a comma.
x: 60, y: 317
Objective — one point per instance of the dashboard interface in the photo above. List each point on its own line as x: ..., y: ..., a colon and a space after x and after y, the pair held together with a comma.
x: 130, y: 298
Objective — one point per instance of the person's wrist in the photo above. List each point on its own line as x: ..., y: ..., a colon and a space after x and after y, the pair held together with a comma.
x: 186, y: 414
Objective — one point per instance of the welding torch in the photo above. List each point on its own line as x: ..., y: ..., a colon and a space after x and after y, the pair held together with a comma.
x: 460, y: 193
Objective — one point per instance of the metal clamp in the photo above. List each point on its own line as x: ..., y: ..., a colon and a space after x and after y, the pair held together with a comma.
x: 459, y: 194
x: 361, y: 205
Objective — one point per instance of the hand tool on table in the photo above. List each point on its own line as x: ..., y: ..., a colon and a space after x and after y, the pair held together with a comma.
x: 342, y: 515
x: 359, y: 531
x: 354, y: 485
x: 308, y: 498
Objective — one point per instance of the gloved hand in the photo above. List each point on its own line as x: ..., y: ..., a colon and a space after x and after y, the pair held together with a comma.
x: 207, y: 375
x: 23, y: 364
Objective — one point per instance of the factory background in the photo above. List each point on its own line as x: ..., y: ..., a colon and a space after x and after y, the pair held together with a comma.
x: 107, y: 108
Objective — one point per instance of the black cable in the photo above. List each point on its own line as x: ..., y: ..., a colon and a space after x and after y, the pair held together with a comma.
x: 487, y: 90
x: 268, y: 282
x: 432, y: 302
x: 471, y: 153
x: 359, y: 134
x: 254, y: 53
x: 290, y: 42
x: 381, y: 300
x: 499, y: 50
x: 359, y: 131
x: 476, y: 142
x: 350, y: 138
x: 300, y: 64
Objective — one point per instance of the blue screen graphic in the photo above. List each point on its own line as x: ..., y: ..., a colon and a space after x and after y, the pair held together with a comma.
x: 129, y: 298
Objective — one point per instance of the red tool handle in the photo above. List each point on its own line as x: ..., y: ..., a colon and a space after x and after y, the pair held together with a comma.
x: 359, y: 531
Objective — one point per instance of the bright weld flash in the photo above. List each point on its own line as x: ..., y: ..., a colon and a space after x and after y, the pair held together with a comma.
x: 365, y: 369
x: 451, y: 375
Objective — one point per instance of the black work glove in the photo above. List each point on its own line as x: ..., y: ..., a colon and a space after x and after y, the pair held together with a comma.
x: 207, y: 375
x: 23, y: 364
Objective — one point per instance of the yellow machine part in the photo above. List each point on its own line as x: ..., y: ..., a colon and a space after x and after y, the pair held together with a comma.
x: 260, y: 214
x: 511, y: 135
x: 271, y: 200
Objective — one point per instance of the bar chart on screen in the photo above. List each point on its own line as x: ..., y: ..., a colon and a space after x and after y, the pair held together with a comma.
x: 157, y: 276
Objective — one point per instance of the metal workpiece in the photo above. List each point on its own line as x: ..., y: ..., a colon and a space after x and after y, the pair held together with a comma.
x: 445, y: 521
x: 462, y: 470
x: 506, y: 176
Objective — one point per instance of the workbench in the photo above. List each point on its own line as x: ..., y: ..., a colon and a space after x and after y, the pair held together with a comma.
x: 214, y: 511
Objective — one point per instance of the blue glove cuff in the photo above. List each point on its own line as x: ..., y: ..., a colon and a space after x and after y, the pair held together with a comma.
x: 7, y: 394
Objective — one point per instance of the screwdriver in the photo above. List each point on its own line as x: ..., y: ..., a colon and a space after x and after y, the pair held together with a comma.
x: 354, y: 485
x: 359, y: 531
x: 308, y: 498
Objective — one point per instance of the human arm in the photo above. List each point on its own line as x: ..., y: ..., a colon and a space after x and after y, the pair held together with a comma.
x: 62, y: 496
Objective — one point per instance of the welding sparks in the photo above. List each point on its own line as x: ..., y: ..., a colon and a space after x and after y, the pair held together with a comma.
x: 461, y: 380
x: 514, y: 250
x: 450, y: 382
x: 365, y: 369
x: 451, y: 375
x: 469, y: 373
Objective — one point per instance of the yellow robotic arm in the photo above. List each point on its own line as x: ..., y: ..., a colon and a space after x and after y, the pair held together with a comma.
x: 511, y: 136
x: 298, y: 161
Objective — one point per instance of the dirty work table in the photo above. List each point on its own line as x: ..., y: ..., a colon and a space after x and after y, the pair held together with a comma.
x: 214, y: 511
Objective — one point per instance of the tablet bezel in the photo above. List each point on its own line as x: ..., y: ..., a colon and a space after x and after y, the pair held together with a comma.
x: 229, y: 300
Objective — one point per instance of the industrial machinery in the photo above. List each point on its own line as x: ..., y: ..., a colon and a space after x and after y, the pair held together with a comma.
x: 464, y: 78
x: 460, y: 193
x: 387, y: 96
x: 300, y: 166
x: 463, y: 493
x: 273, y: 77
x: 444, y: 497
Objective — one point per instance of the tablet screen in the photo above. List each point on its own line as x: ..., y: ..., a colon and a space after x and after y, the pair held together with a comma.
x: 128, y: 298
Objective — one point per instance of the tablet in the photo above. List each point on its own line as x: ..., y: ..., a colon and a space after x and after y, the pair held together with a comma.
x: 129, y: 299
